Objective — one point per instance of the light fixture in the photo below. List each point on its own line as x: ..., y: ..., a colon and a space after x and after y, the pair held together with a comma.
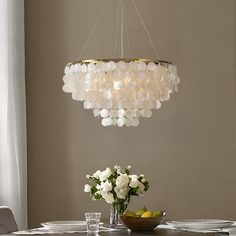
x: 121, y: 90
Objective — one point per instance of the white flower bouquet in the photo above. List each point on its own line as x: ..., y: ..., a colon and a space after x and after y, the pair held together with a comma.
x: 116, y: 186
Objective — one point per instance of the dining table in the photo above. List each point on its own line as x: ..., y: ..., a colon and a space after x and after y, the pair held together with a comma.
x: 126, y: 232
x: 159, y: 232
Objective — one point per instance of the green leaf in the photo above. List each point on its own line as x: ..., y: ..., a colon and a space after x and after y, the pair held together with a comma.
x: 146, y: 186
x: 98, y: 196
x: 133, y: 191
x: 93, y: 190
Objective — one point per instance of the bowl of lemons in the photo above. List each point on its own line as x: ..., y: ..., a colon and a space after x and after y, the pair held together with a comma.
x: 143, y: 219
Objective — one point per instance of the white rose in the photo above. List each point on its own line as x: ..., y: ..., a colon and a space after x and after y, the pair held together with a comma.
x: 98, y: 187
x: 106, y: 186
x: 133, y: 176
x: 121, y: 192
x: 134, y: 181
x: 87, y: 188
x: 97, y: 174
x: 105, y: 174
x: 122, y: 181
x: 134, y: 184
x: 143, y: 180
x: 88, y: 176
x: 108, y: 197
x: 118, y: 171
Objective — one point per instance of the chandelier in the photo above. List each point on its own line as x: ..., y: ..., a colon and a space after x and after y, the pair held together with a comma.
x: 121, y: 90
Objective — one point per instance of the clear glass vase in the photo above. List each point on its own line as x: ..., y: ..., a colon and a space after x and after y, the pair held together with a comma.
x: 116, y: 211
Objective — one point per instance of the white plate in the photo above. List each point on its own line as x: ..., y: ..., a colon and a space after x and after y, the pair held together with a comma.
x: 66, y: 225
x: 200, y: 224
x: 202, y: 231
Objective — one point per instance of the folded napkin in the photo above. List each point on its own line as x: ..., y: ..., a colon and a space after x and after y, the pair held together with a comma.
x: 43, y: 230
x: 230, y: 230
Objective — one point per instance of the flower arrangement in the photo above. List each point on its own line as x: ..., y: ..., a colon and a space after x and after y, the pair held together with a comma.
x: 116, y: 186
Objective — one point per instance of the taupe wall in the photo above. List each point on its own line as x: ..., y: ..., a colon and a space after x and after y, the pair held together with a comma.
x: 187, y: 149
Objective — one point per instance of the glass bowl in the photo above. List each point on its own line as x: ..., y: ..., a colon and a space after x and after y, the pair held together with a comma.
x: 141, y: 224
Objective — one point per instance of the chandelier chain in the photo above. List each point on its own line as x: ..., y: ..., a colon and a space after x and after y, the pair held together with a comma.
x: 145, y: 28
x: 92, y: 31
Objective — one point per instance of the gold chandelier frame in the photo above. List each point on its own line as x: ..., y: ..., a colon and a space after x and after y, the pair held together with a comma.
x: 126, y: 60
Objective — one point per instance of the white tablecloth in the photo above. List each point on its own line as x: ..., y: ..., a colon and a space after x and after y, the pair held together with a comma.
x: 43, y: 230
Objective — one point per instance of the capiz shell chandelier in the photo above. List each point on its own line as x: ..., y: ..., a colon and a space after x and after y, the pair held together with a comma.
x: 119, y: 90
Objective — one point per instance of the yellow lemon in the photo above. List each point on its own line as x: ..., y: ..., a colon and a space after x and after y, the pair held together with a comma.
x: 157, y: 213
x: 141, y: 211
x: 147, y: 214
x: 129, y: 213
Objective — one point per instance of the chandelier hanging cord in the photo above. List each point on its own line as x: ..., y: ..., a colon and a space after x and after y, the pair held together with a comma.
x: 92, y: 30
x: 116, y: 29
x: 122, y: 29
x: 127, y: 33
x: 145, y: 28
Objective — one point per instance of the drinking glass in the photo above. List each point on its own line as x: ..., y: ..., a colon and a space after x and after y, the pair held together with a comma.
x: 93, y: 221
